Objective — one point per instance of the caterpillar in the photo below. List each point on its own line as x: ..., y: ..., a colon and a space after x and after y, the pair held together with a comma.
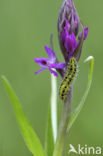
x: 68, y: 78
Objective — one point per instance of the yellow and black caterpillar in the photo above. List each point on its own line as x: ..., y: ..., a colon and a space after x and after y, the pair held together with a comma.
x: 68, y: 78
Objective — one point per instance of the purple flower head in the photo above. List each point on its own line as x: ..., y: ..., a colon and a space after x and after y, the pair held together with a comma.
x: 49, y: 63
x: 68, y: 12
x: 69, y: 41
x: 68, y: 29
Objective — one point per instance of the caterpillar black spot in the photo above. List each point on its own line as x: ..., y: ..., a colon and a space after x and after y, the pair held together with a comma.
x: 68, y: 78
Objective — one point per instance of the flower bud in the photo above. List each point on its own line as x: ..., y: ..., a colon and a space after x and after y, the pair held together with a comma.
x: 68, y: 12
x: 68, y: 28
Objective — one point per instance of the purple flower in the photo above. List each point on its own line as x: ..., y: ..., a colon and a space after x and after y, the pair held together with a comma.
x: 49, y: 63
x: 68, y: 20
x: 68, y: 12
x: 68, y: 30
x: 69, y: 41
x: 86, y: 29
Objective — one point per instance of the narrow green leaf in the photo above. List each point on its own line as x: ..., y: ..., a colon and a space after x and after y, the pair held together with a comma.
x: 49, y: 135
x: 28, y: 133
x: 80, y: 106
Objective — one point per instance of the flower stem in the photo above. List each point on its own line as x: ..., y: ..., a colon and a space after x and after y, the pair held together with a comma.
x: 63, y: 125
x: 54, y: 105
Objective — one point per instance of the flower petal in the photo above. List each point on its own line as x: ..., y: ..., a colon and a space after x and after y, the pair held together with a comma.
x: 50, y: 53
x: 70, y: 43
x: 58, y: 65
x: 65, y: 31
x: 53, y: 72
x: 43, y: 62
x: 86, y: 29
x: 37, y: 72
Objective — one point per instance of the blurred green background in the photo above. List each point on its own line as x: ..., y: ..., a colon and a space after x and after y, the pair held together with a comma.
x: 25, y: 27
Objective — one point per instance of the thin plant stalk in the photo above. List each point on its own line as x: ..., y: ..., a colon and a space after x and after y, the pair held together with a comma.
x: 54, y: 105
x: 67, y: 107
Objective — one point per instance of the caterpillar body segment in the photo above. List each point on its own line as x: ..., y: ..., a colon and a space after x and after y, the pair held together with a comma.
x: 68, y: 78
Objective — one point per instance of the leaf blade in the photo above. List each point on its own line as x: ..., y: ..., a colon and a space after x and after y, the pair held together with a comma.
x: 27, y: 132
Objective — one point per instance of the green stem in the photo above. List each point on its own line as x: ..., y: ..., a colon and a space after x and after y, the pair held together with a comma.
x: 54, y: 105
x: 63, y: 125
